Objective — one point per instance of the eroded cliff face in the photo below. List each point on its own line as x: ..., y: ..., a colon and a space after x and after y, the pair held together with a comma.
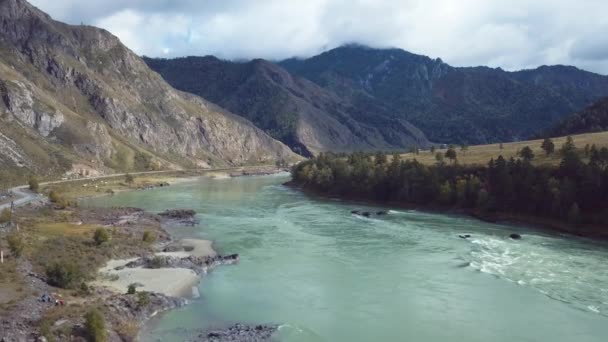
x: 76, y: 90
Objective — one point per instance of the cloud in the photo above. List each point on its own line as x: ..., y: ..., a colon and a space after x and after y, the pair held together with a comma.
x: 512, y: 35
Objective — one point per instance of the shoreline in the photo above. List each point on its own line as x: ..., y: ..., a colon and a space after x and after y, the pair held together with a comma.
x: 549, y: 226
x: 116, y: 276
x: 165, y: 287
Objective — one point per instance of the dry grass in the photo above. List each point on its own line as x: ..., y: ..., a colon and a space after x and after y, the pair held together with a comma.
x: 11, y: 283
x: 56, y: 229
x: 481, y: 154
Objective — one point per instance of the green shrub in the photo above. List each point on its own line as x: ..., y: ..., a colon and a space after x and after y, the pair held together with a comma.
x: 158, y: 262
x: 5, y: 216
x: 131, y: 289
x: 95, y: 326
x: 15, y: 244
x: 142, y: 161
x: 143, y: 299
x: 149, y: 237
x: 84, y: 289
x: 101, y: 236
x: 54, y: 197
x: 34, y: 184
x: 64, y: 275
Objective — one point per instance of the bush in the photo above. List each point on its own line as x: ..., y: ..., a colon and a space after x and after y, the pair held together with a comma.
x: 34, y: 184
x: 64, y: 275
x: 142, y: 161
x: 131, y: 289
x: 128, y: 330
x: 101, y: 235
x: 143, y: 299
x: 5, y: 216
x: 95, y: 326
x: 84, y: 289
x: 149, y: 237
x: 158, y: 262
x: 15, y: 244
x: 54, y: 197
x: 129, y: 178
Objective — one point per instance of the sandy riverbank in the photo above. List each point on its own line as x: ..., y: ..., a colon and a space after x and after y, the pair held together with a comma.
x: 175, y: 282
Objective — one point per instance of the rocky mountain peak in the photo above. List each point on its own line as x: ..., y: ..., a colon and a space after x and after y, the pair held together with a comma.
x: 19, y: 9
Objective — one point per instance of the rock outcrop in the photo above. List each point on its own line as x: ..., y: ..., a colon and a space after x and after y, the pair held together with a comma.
x: 79, y: 95
x: 238, y: 333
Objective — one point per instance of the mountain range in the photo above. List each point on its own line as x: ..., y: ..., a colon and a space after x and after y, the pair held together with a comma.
x: 455, y: 105
x: 378, y: 88
x: 300, y: 113
x: 75, y: 95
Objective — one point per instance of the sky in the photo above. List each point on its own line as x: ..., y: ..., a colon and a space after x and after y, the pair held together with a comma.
x: 513, y: 34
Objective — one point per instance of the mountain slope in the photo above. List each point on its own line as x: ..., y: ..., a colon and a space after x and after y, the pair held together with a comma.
x: 75, y: 95
x: 296, y: 111
x: 472, y: 105
x: 592, y: 119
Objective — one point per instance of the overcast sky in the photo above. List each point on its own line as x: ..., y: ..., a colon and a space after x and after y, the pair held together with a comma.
x: 512, y: 34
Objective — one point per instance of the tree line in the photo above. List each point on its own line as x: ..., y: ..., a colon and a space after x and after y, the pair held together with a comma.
x: 576, y: 190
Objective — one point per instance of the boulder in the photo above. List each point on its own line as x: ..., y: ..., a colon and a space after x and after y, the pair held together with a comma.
x: 515, y: 236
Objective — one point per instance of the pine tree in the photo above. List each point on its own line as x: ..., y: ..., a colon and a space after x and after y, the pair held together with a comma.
x: 548, y: 146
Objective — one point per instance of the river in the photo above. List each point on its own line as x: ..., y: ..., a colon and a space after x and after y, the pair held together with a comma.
x: 327, y: 275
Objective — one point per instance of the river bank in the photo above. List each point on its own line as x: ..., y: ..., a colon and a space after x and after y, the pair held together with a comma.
x: 165, y: 273
x: 547, y: 225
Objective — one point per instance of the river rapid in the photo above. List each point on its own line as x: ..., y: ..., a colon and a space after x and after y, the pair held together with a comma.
x: 324, y: 274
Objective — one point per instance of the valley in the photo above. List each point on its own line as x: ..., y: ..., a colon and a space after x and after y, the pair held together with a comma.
x: 203, y: 172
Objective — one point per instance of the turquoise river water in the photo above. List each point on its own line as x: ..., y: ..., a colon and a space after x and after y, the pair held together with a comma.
x: 326, y: 275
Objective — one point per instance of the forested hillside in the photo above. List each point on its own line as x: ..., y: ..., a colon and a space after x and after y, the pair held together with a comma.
x: 576, y: 191
x: 472, y: 105
x: 592, y: 119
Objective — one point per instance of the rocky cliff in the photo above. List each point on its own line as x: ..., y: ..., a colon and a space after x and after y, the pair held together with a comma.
x: 73, y: 94
x: 305, y: 116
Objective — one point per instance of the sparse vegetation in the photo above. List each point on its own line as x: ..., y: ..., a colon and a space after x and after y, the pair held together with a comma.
x: 5, y: 216
x: 131, y: 289
x: 95, y: 326
x: 101, y: 236
x: 34, y: 185
x: 149, y: 237
x: 158, y: 262
x: 15, y: 244
x: 142, y: 161
x: 66, y: 275
x: 481, y: 154
x: 143, y: 299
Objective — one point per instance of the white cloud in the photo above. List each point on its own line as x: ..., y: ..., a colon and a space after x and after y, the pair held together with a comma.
x: 509, y: 34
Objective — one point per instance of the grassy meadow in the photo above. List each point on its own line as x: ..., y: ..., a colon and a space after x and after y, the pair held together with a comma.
x: 481, y: 154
